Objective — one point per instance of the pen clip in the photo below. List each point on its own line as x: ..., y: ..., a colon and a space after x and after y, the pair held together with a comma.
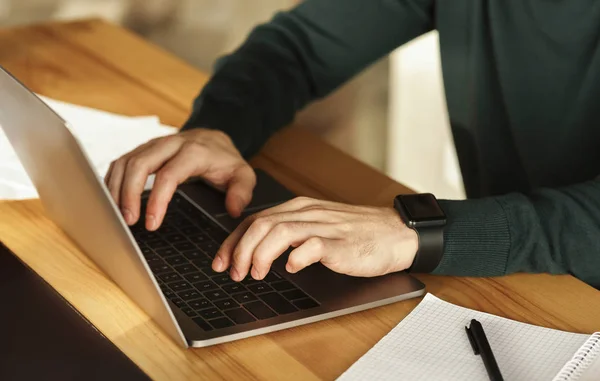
x: 472, y: 340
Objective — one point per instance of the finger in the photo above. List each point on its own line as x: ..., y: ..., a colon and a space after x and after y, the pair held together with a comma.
x: 281, y: 237
x: 116, y: 178
x: 239, y: 191
x: 311, y: 251
x: 310, y: 212
x: 183, y: 165
x: 108, y: 173
x: 243, y: 252
x: 137, y: 170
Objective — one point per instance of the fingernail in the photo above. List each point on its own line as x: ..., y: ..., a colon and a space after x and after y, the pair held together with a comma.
x: 255, y: 274
x: 127, y: 216
x: 218, y: 263
x: 150, y: 222
x: 235, y: 275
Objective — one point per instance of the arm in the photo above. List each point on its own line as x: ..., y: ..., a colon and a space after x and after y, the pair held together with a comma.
x: 299, y: 56
x: 550, y: 230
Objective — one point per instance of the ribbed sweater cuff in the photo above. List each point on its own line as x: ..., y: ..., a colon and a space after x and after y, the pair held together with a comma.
x: 476, y: 238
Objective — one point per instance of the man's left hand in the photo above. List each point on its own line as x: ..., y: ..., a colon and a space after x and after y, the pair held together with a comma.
x: 353, y: 240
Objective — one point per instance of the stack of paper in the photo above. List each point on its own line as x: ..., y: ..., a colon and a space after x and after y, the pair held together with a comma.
x: 104, y: 137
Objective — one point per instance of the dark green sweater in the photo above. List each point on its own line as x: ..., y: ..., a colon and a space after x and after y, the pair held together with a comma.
x: 522, y: 80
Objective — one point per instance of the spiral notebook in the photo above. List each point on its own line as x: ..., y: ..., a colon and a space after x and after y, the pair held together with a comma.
x: 431, y: 344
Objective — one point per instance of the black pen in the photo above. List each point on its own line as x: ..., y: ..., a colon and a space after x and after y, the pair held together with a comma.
x: 481, y: 347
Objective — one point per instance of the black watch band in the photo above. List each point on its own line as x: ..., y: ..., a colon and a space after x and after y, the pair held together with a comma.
x: 423, y: 214
x: 431, y: 249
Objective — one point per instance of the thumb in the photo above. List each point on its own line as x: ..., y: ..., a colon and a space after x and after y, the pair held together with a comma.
x: 239, y: 190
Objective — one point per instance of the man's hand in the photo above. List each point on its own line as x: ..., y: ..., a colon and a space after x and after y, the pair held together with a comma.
x: 198, y: 152
x: 353, y: 240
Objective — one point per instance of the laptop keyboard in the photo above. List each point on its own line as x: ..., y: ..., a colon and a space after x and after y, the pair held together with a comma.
x: 180, y: 254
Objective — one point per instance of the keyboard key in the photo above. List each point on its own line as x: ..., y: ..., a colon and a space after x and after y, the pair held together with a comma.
x: 272, y: 277
x: 157, y: 243
x: 168, y: 293
x: 183, y: 246
x: 203, y: 324
x: 146, y: 250
x: 209, y: 247
x: 178, y: 302
x: 260, y: 288
x: 278, y: 303
x: 174, y: 238
x: 190, y: 230
x: 219, y: 236
x: 166, y: 252
x: 260, y: 310
x: 193, y: 254
x: 205, y: 286
x: 244, y: 297
x: 203, y: 262
x: 249, y: 280
x: 179, y: 221
x: 186, y: 269
x: 160, y: 269
x: 221, y: 323
x: 282, y: 285
x: 305, y: 304
x: 240, y: 316
x: 155, y: 260
x: 188, y: 311
x: 166, y: 229
x: 180, y: 286
x: 215, y: 295
x: 198, y: 238
x: 226, y: 304
x: 196, y: 277
x: 293, y: 294
x: 199, y: 304
x: 170, y: 277
x: 189, y: 295
x: 233, y: 288
x: 164, y: 287
x: 222, y: 278
x: 210, y: 313
x: 177, y: 260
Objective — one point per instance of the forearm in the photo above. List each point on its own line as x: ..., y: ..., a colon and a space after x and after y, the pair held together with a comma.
x: 550, y: 230
x: 300, y: 56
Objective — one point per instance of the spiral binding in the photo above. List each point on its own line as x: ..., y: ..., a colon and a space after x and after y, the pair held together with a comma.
x: 582, y: 359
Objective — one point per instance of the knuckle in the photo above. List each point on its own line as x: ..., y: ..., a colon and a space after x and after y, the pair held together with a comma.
x: 316, y: 244
x: 136, y: 164
x: 262, y: 224
x: 194, y: 147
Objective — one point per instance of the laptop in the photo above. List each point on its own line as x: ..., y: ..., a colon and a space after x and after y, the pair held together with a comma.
x: 168, y: 272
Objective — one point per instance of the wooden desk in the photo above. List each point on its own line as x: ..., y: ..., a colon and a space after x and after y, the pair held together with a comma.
x: 95, y: 64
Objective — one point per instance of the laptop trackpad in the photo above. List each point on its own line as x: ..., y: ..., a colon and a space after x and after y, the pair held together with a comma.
x: 267, y: 193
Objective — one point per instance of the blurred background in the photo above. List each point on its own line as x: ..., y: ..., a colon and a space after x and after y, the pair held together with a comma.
x: 392, y: 116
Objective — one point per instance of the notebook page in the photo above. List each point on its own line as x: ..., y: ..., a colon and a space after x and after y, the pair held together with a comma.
x: 585, y: 364
x: 431, y: 344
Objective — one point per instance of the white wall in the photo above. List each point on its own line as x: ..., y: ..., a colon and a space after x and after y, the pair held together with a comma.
x: 421, y: 152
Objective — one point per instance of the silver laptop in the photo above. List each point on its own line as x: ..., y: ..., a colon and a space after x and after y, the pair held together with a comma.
x: 168, y: 272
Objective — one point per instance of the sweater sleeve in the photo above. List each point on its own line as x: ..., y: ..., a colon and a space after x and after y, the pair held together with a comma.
x: 554, y: 231
x: 299, y: 56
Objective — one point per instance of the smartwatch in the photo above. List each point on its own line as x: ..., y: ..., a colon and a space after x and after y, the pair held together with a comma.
x: 423, y: 214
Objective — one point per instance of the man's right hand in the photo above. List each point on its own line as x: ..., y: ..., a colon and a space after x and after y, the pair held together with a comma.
x: 209, y: 154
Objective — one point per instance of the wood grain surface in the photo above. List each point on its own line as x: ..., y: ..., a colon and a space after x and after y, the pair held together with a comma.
x: 96, y: 64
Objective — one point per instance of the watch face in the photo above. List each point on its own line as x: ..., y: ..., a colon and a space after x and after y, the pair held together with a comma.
x: 422, y: 208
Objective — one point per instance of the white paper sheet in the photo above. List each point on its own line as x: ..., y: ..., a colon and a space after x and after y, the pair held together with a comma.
x: 431, y: 344
x: 104, y: 136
